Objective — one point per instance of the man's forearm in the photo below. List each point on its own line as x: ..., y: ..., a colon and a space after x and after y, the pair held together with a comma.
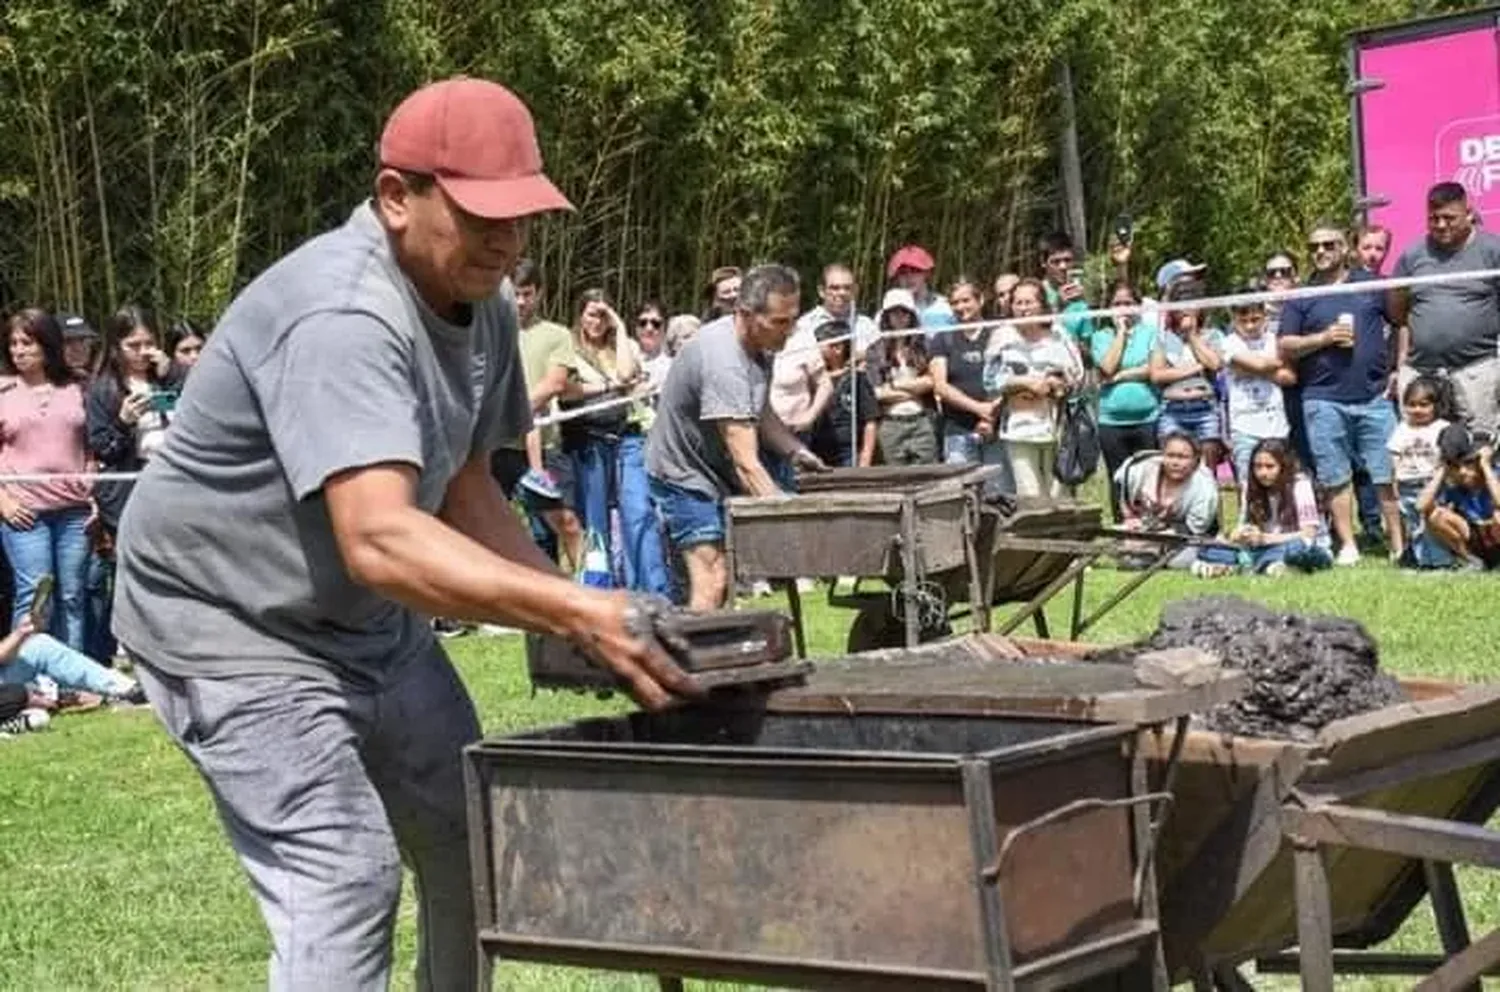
x: 1296, y: 345
x: 475, y: 507
x: 755, y: 480
x: 776, y: 435
x: 430, y: 566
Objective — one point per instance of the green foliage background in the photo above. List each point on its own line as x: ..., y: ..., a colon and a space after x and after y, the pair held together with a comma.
x: 169, y: 150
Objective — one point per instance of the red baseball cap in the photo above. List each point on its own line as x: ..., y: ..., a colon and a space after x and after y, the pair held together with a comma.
x: 910, y: 257
x: 476, y: 138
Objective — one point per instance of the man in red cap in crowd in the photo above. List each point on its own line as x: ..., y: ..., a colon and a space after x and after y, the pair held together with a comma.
x: 910, y: 268
x: 325, y: 489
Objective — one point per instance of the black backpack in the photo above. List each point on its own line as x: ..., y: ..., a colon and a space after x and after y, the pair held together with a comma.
x: 1077, y: 443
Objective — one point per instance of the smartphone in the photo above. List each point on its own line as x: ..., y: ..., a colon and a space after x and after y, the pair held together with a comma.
x: 1124, y: 229
x: 41, y: 604
x: 163, y: 400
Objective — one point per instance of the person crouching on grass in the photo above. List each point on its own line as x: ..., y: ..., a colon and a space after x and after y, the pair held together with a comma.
x: 853, y: 412
x: 1461, y: 504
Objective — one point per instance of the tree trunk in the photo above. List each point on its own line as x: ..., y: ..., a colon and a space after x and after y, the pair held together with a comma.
x: 1072, y: 169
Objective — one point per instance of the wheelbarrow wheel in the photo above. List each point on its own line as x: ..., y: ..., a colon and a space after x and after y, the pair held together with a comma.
x: 877, y: 626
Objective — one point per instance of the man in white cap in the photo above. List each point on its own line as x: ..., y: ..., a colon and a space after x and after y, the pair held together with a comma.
x: 325, y: 488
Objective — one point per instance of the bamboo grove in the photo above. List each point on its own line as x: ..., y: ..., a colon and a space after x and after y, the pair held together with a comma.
x: 167, y: 151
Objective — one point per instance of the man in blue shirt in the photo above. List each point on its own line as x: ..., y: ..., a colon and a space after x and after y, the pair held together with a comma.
x: 1339, y: 344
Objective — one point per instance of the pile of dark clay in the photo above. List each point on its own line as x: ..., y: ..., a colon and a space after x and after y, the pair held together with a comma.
x: 1305, y: 671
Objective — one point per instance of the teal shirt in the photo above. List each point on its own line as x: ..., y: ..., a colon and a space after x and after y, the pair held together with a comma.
x: 1125, y: 404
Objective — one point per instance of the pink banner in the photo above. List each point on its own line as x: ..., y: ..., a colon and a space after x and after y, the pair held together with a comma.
x: 1436, y: 118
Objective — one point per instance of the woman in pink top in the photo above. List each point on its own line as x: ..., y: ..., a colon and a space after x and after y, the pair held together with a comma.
x: 42, y: 432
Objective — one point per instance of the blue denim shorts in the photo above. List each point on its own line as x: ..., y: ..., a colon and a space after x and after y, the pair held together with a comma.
x: 1198, y: 419
x: 691, y: 517
x: 1343, y: 435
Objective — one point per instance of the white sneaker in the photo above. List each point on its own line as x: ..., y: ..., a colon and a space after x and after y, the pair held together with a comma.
x: 1348, y: 556
x: 496, y: 630
x: 1275, y: 568
x: 26, y: 720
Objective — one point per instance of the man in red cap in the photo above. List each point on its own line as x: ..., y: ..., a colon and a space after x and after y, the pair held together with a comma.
x: 325, y: 488
x: 910, y: 268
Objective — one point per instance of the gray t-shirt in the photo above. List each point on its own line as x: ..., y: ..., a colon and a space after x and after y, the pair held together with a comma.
x: 328, y: 361
x: 713, y: 378
x: 1453, y: 324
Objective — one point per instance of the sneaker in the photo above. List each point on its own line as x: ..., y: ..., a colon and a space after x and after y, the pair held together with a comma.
x: 496, y: 630
x: 129, y: 698
x: 541, y: 484
x: 1347, y: 557
x: 1274, y: 569
x: 444, y: 627
x: 26, y: 721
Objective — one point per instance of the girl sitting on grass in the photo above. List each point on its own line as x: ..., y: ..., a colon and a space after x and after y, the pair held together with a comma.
x: 1279, y: 525
x: 42, y: 662
x: 1461, y: 504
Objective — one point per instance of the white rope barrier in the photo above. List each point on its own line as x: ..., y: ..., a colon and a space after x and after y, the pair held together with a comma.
x: 1206, y: 303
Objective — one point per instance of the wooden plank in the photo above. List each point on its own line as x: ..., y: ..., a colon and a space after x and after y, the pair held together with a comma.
x: 1418, y: 768
x: 1422, y: 837
x: 1314, y: 921
x: 1387, y: 735
x: 1466, y: 967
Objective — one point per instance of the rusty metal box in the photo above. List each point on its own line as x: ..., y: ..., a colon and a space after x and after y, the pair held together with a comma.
x: 716, y: 649
x: 811, y: 849
x: 861, y: 530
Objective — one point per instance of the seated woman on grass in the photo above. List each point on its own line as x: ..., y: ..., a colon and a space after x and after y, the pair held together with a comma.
x: 1279, y: 525
x: 1461, y: 506
x: 1168, y: 492
x: 35, y: 660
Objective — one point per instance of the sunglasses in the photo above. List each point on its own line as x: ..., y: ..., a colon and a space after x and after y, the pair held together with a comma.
x: 648, y: 322
x: 1323, y: 245
x: 1280, y: 272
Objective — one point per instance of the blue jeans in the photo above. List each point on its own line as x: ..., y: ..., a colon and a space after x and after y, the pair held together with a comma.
x: 99, y: 584
x: 1343, y: 435
x: 57, y: 545
x: 43, y: 654
x: 962, y: 447
x: 1298, y: 554
x: 613, y: 472
x: 1198, y: 419
x: 691, y: 517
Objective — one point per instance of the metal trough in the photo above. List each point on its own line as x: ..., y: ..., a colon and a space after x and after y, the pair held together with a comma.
x: 837, y: 836
x: 907, y: 525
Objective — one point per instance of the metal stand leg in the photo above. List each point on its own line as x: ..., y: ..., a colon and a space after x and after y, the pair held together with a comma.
x: 1448, y: 909
x: 1075, y: 628
x: 794, y: 604
x: 1314, y: 920
x: 909, y: 578
x: 979, y: 599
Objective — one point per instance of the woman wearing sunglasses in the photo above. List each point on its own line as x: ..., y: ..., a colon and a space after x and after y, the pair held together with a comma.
x: 651, y: 335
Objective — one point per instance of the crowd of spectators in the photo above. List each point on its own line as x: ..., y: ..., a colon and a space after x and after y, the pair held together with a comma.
x: 74, y: 404
x: 1342, y: 422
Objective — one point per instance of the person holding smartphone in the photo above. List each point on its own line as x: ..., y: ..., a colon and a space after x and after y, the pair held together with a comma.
x: 128, y: 408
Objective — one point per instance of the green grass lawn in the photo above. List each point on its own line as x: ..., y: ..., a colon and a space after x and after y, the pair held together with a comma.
x: 115, y: 875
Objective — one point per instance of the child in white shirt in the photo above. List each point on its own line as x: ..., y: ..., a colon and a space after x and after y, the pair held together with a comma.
x: 1256, y: 374
x: 1413, y: 445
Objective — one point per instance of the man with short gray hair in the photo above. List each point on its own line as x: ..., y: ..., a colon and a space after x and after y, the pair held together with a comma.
x: 712, y: 419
